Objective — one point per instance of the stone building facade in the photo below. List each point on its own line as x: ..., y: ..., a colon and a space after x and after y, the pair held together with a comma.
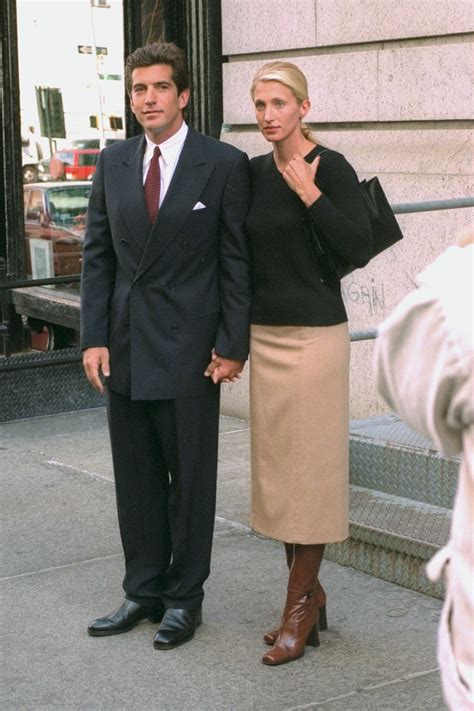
x: 391, y: 88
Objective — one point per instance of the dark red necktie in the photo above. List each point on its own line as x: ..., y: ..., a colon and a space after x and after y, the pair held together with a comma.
x: 152, y: 186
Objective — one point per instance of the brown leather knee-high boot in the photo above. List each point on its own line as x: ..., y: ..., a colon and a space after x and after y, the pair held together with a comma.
x: 320, y: 598
x: 300, y: 617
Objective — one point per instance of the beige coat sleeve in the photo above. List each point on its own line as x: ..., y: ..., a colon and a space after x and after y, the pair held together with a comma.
x: 424, y: 353
x: 424, y: 370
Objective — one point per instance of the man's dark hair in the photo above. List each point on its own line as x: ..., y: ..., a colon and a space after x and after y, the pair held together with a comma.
x: 159, y: 53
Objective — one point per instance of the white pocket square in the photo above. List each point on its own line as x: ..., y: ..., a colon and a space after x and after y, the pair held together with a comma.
x: 199, y: 206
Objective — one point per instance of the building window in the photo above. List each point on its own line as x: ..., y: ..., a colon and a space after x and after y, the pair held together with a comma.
x: 94, y: 123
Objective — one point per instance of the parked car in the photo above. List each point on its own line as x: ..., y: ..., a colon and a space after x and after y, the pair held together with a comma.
x: 74, y: 164
x: 55, y: 217
x: 44, y: 170
x: 30, y: 172
x: 31, y: 154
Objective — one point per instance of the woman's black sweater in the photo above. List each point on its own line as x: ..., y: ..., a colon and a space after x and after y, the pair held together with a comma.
x: 287, y: 290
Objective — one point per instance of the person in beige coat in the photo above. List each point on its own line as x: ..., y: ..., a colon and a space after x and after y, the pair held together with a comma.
x: 424, y: 369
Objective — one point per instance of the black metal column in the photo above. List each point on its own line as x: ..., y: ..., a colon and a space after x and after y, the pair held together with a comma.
x: 132, y: 38
x: 11, y: 199
x: 200, y: 34
x: 12, y: 241
x: 195, y: 26
x: 153, y: 18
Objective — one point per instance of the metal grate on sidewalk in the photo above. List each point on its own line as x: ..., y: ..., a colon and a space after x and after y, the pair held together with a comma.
x: 401, y: 496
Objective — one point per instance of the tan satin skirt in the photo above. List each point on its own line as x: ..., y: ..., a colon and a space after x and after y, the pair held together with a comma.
x: 299, y: 408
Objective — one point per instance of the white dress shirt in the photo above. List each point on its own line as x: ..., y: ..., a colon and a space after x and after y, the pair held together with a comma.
x: 170, y: 152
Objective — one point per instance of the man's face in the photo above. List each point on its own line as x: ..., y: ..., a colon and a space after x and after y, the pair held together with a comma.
x: 155, y: 101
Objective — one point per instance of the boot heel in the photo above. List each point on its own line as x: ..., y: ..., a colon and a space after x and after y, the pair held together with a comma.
x: 313, y: 637
x: 323, y: 620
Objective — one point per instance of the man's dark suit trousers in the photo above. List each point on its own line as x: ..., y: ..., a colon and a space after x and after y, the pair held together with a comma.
x: 165, y: 464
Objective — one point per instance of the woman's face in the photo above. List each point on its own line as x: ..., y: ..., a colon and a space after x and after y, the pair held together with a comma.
x: 277, y: 111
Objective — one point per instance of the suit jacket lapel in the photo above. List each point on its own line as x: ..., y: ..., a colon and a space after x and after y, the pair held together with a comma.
x: 129, y: 185
x: 191, y: 174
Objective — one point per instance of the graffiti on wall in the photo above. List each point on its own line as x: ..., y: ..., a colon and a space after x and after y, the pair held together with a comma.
x: 370, y: 297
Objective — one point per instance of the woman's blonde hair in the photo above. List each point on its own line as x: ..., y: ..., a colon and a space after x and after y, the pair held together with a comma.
x: 290, y: 76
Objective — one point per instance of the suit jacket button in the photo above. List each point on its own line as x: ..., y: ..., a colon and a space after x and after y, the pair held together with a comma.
x: 184, y: 244
x: 171, y: 285
x: 175, y: 327
x: 124, y: 241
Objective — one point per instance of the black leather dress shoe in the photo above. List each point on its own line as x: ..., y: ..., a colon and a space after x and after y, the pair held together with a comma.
x: 177, y: 627
x: 123, y: 619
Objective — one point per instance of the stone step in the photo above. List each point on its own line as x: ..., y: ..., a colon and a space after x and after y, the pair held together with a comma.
x: 387, y: 455
x: 392, y: 537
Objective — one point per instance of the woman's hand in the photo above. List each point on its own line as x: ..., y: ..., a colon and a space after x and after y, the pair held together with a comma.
x: 300, y: 175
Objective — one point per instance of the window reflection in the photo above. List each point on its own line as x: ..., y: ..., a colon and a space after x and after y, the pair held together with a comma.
x: 56, y: 214
x: 71, y: 83
x: 72, y: 105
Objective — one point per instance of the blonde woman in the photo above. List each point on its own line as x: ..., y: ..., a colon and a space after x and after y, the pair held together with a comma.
x: 299, y: 347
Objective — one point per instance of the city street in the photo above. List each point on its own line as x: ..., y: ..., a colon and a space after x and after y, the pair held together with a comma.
x: 62, y: 566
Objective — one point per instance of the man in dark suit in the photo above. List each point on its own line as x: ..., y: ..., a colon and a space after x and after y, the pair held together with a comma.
x: 165, y: 301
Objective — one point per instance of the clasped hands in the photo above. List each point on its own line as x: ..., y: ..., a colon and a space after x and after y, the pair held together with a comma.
x: 220, y: 369
x: 223, y: 370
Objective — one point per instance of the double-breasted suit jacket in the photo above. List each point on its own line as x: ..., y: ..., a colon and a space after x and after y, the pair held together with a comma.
x: 161, y: 297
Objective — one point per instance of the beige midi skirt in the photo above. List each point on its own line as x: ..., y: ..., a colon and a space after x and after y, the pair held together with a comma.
x: 299, y: 409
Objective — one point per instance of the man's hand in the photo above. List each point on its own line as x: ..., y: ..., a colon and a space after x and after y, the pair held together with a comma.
x: 95, y: 361
x: 224, y: 370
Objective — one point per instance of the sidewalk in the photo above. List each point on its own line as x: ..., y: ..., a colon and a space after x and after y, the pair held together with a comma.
x: 62, y: 566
